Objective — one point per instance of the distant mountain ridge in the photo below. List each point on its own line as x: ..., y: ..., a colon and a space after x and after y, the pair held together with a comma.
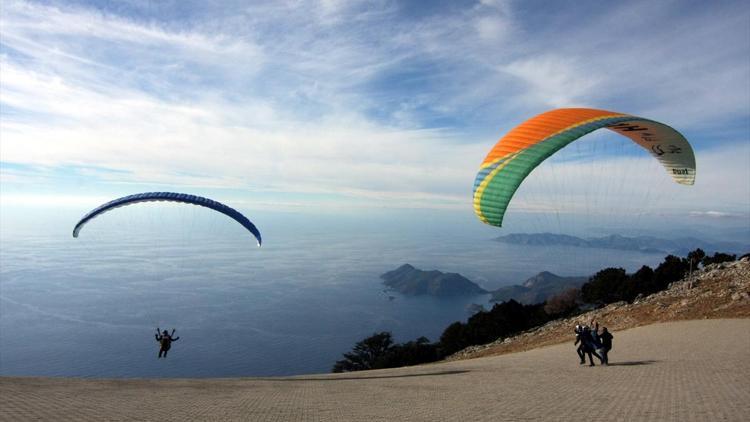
x: 537, y: 289
x: 646, y: 244
x: 412, y: 281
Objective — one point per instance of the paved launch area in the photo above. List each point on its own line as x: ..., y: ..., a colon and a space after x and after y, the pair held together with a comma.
x: 680, y: 371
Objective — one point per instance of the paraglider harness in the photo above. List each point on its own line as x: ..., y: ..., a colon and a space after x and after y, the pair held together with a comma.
x: 165, y: 340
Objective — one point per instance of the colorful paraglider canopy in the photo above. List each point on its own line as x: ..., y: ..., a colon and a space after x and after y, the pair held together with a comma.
x: 533, y: 141
x: 169, y: 197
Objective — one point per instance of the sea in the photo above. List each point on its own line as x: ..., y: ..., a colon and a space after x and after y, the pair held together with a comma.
x: 89, y: 307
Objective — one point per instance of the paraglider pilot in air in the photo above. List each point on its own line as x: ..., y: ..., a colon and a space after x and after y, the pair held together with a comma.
x: 165, y: 341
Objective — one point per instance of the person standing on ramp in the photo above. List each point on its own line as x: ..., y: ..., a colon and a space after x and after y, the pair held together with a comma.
x: 606, y: 338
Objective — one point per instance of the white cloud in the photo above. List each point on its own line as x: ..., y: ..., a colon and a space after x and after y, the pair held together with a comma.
x: 340, y: 97
x: 554, y: 81
x: 154, y: 141
x: 67, y: 201
x: 716, y: 214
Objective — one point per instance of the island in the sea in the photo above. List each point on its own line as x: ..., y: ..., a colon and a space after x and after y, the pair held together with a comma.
x: 537, y: 289
x: 412, y: 281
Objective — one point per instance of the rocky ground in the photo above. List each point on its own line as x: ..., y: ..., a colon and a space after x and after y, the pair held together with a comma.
x: 716, y: 291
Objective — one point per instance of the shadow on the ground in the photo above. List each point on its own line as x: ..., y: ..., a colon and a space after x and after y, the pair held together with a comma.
x: 633, y: 363
x: 374, y: 377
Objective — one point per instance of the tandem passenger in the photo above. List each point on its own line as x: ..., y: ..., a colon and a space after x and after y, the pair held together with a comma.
x: 589, y: 345
x: 165, y: 341
x: 606, y: 338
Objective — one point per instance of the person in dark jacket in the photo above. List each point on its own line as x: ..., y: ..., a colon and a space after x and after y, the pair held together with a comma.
x: 589, y: 347
x: 165, y: 341
x: 595, y: 333
x: 579, y: 334
x: 606, y: 339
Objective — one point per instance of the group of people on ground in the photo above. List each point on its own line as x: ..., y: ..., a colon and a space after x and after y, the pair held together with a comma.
x: 592, y: 342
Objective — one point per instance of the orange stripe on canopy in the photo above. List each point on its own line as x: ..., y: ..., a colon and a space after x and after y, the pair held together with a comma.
x: 542, y: 127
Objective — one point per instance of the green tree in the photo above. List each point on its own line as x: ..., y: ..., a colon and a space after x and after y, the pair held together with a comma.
x: 640, y: 282
x: 672, y: 269
x: 366, y: 354
x: 454, y: 338
x: 411, y: 353
x: 695, y: 257
x: 718, y: 258
x: 606, y: 286
x: 503, y: 320
x: 562, y: 304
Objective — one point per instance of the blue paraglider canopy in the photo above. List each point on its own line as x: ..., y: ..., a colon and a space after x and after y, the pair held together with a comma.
x: 169, y: 197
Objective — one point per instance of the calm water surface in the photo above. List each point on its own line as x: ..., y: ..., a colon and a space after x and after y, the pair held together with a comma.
x: 88, y: 307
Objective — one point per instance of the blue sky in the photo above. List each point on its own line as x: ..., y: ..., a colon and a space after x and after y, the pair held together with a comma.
x: 345, y: 104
